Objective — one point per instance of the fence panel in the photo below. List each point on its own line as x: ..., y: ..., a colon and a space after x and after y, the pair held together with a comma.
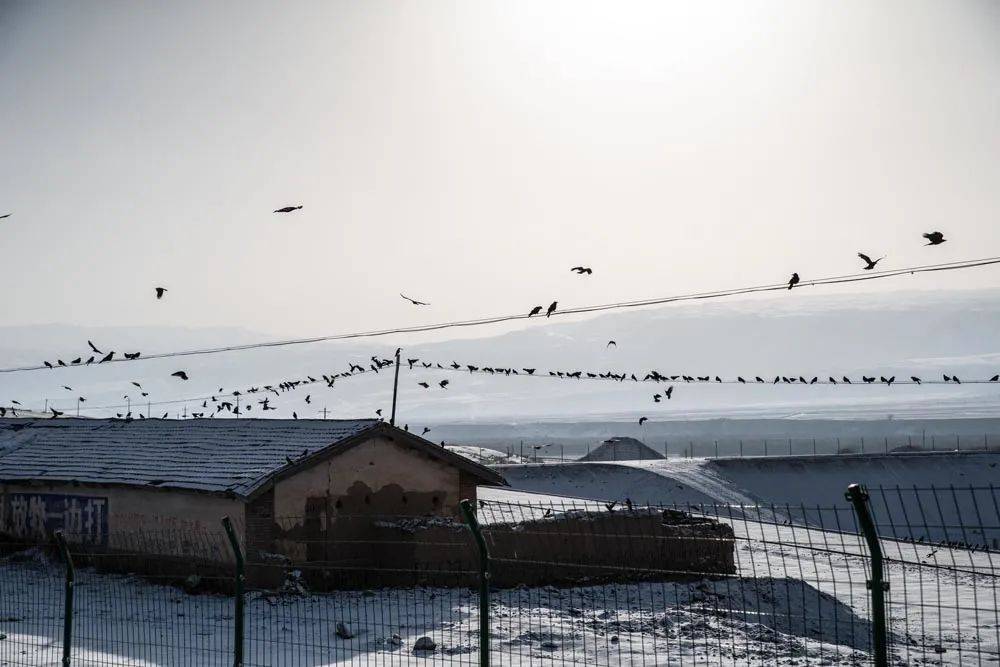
x: 31, y: 603
x: 942, y: 561
x: 706, y: 584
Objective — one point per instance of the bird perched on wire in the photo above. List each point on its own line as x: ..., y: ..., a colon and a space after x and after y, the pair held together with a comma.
x: 552, y: 309
x: 934, y: 238
x: 108, y: 357
x: 287, y: 209
x: 535, y: 311
x: 793, y: 281
x: 581, y: 270
x: 869, y: 262
x: 179, y: 374
x: 414, y: 301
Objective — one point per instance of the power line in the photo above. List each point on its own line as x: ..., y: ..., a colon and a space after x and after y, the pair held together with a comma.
x: 498, y: 319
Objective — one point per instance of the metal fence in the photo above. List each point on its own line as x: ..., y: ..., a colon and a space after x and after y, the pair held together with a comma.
x: 889, y: 576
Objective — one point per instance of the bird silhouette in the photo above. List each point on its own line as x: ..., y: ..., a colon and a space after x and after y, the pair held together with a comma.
x: 610, y: 343
x: 108, y: 357
x: 180, y: 374
x: 580, y: 270
x: 308, y: 398
x: 413, y: 301
x: 424, y: 385
x: 287, y: 209
x: 132, y: 355
x: 443, y: 384
x: 94, y: 348
x: 160, y: 291
x: 294, y: 415
x: 425, y: 431
x: 669, y: 392
x: 915, y: 379
x: 869, y: 262
x: 793, y: 281
x: 552, y: 309
x: 67, y: 388
x: 379, y: 412
x: 76, y: 361
x: 535, y: 311
x: 5, y: 215
x: 55, y: 413
x: 934, y: 238
x: 643, y: 420
x: 995, y: 378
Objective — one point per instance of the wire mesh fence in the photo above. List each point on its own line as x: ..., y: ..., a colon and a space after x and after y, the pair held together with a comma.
x: 569, y: 582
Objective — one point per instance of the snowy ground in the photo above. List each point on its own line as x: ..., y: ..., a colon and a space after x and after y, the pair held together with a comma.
x: 799, y: 598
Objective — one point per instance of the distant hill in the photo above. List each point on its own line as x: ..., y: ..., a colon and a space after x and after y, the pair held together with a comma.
x: 808, y: 335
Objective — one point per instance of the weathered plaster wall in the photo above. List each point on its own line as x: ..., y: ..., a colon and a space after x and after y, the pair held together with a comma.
x: 164, y: 521
x: 379, y: 476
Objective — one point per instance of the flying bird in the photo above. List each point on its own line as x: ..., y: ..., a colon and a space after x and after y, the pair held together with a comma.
x: 934, y: 238
x: 308, y: 398
x: 610, y: 343
x: 425, y: 431
x: 180, y: 374
x: 443, y: 384
x: 132, y: 355
x: 160, y: 291
x: 870, y: 263
x: 67, y: 388
x: 287, y: 209
x: 424, y: 385
x: 580, y: 270
x: 414, y: 301
x: 94, y: 348
x: 669, y: 392
x: 995, y: 378
x: 552, y: 309
x: 55, y: 413
x: 915, y: 379
x: 5, y: 215
x: 793, y: 281
x: 643, y: 420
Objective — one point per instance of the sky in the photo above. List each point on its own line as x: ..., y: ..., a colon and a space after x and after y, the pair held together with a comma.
x: 469, y: 153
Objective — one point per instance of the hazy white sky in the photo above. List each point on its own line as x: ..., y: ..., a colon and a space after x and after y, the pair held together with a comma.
x: 469, y: 153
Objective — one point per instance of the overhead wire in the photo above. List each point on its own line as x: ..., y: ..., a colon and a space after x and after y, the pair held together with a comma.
x: 830, y: 280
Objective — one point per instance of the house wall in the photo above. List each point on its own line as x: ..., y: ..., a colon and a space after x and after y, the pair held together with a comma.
x: 340, y: 497
x: 378, y: 476
x: 162, y: 521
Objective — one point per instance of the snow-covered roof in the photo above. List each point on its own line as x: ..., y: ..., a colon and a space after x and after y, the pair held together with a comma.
x: 234, y: 456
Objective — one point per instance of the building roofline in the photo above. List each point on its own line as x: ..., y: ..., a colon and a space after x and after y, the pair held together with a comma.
x: 485, y: 475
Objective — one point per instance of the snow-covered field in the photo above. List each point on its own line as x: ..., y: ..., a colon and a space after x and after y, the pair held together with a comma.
x: 799, y: 598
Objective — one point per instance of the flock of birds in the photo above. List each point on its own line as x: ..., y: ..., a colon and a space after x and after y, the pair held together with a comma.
x: 230, y: 403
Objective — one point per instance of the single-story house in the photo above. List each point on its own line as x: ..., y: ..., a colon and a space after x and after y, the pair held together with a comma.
x: 157, y: 485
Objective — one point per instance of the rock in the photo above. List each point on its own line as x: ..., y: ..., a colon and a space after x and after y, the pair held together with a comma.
x: 343, y: 632
x: 424, y: 644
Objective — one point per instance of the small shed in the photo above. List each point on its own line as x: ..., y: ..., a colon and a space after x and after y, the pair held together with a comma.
x: 105, y: 481
x: 622, y: 448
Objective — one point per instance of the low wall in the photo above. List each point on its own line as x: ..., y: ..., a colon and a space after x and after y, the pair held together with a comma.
x: 571, y: 548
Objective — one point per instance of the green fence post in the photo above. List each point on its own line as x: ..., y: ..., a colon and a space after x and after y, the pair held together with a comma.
x: 877, y: 584
x: 239, y: 601
x: 484, y: 582
x: 68, y: 598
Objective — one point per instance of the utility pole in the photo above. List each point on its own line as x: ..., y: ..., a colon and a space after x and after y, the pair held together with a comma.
x: 395, y: 390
